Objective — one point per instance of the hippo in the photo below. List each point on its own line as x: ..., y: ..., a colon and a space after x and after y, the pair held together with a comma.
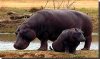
x: 68, y: 40
x: 48, y: 24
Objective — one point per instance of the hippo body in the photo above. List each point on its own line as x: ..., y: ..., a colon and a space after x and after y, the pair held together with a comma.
x: 48, y: 24
x: 68, y: 40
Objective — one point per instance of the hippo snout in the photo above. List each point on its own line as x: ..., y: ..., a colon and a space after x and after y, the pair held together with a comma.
x: 21, y: 44
x: 18, y: 47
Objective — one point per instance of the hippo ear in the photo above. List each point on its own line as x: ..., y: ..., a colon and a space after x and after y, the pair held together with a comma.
x: 17, y: 31
x: 79, y: 30
x: 73, y: 29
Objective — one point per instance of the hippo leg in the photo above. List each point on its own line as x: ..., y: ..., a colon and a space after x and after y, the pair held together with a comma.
x: 87, y: 42
x: 72, y: 49
x: 44, y: 45
x: 66, y: 47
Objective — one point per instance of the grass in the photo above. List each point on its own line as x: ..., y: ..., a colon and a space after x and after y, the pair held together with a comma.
x: 12, y: 37
x: 38, y: 3
x: 4, y: 10
x: 11, y: 26
x: 93, y: 13
x: 8, y: 37
x: 22, y: 7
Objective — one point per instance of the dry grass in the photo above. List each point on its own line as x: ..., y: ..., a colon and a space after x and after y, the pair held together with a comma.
x: 10, y: 26
x: 38, y: 3
x: 47, y: 54
x: 12, y: 37
x: 90, y: 7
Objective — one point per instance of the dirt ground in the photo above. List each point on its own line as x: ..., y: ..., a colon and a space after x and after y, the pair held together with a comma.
x: 47, y: 54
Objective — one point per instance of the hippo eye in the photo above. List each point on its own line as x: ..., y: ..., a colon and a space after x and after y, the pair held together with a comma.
x: 17, y: 31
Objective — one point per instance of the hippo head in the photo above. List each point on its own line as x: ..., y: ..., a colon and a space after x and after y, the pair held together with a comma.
x: 24, y: 36
x: 77, y: 34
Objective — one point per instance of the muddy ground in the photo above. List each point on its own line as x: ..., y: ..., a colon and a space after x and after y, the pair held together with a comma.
x: 47, y: 54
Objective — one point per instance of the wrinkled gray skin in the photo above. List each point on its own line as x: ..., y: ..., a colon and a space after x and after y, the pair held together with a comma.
x: 68, y: 40
x: 48, y: 25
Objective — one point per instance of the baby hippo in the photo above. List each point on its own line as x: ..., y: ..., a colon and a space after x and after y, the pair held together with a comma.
x: 68, y: 40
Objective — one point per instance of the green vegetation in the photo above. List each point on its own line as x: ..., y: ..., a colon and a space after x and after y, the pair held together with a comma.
x: 4, y: 10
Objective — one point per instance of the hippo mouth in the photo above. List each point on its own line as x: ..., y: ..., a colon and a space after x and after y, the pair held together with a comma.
x: 21, y: 44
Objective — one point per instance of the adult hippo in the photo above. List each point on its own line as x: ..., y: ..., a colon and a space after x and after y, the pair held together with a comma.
x: 48, y: 25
